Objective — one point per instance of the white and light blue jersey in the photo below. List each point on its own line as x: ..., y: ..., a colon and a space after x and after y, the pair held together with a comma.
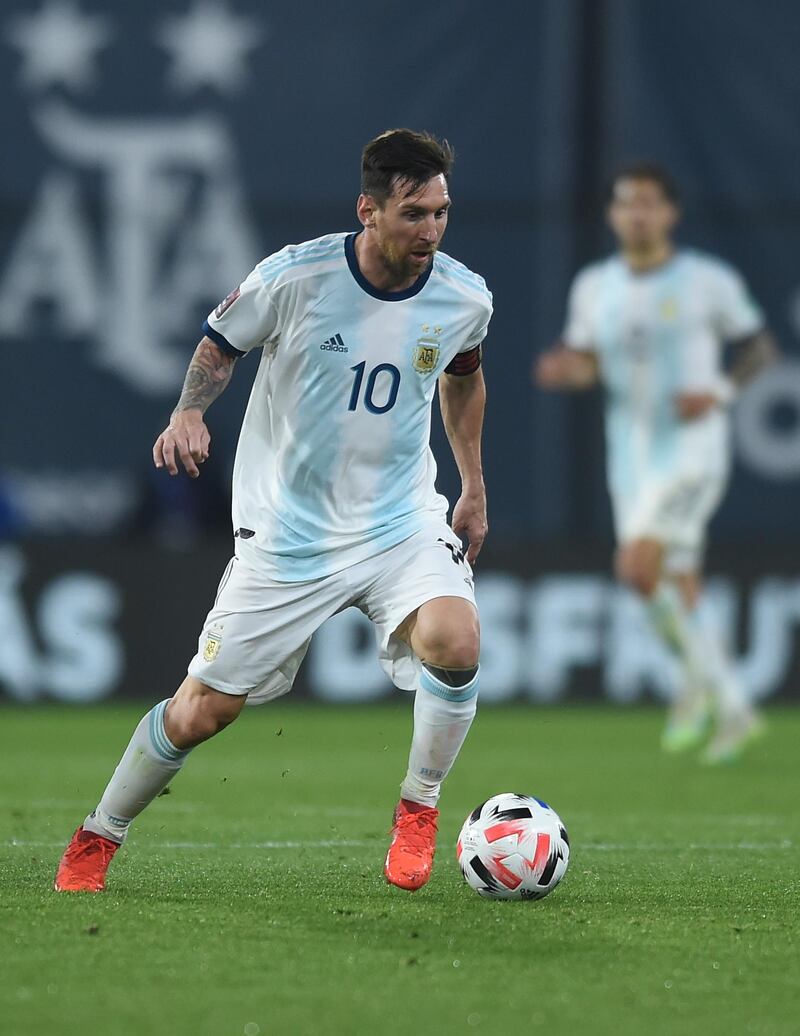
x: 333, y: 463
x: 657, y: 334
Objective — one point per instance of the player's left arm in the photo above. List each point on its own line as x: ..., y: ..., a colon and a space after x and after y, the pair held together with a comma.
x: 739, y: 321
x: 462, y: 398
x: 750, y: 355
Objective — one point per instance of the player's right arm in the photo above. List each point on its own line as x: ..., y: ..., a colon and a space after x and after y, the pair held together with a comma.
x: 245, y: 319
x: 186, y: 437
x: 572, y: 363
x: 563, y: 367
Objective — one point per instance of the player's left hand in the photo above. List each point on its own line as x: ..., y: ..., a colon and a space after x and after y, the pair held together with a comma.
x: 469, y: 520
x: 691, y: 405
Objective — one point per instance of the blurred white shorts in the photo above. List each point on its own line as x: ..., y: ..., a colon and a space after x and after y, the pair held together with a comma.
x: 674, y: 511
x: 258, y: 631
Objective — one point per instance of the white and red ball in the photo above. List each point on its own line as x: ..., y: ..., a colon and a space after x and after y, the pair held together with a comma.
x: 513, y: 847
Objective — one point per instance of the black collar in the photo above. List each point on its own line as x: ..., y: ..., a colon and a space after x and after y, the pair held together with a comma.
x: 370, y: 289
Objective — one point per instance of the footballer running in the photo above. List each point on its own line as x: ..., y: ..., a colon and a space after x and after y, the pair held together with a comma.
x: 334, y: 499
x: 650, y: 322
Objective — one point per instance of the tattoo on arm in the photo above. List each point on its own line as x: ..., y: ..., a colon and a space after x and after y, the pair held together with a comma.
x: 208, y: 374
x: 751, y: 355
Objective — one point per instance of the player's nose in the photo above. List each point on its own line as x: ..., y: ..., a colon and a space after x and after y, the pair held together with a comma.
x: 430, y: 232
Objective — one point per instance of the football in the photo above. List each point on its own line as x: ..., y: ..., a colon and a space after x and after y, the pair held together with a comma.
x: 513, y: 847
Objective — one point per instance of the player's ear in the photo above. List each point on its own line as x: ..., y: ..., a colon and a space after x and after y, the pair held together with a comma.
x: 365, y: 210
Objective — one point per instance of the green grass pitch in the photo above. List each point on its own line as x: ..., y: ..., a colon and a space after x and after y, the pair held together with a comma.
x: 250, y: 901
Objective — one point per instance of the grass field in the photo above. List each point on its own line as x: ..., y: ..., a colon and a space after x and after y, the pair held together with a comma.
x: 249, y: 901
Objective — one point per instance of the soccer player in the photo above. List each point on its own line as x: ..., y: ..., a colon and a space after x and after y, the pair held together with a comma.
x: 649, y: 323
x: 333, y: 492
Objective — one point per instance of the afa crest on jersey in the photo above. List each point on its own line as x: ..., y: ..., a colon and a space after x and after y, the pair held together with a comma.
x: 669, y: 309
x: 425, y: 355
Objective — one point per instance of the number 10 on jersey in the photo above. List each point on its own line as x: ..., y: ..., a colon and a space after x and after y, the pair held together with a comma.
x: 388, y: 387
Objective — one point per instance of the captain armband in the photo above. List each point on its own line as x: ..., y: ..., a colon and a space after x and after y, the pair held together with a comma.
x: 465, y: 363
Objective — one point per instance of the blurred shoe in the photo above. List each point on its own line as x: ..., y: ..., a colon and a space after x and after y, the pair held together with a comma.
x: 410, y: 856
x: 687, y: 724
x: 732, y: 737
x: 84, y: 863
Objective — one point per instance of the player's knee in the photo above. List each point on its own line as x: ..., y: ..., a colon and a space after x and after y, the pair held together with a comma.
x: 639, y: 566
x: 452, y: 645
x: 197, y: 713
x: 641, y: 577
x: 196, y: 722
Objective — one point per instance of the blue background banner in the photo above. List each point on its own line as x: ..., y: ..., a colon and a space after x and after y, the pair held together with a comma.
x: 155, y: 151
x: 160, y: 149
x: 86, y: 621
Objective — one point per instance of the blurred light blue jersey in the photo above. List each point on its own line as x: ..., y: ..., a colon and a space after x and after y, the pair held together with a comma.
x: 333, y: 463
x: 657, y: 334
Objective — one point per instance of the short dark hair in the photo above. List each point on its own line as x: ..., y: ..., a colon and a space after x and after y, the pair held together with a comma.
x: 405, y: 159
x: 646, y: 171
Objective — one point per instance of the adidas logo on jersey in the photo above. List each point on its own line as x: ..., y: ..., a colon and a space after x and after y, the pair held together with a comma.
x: 334, y: 345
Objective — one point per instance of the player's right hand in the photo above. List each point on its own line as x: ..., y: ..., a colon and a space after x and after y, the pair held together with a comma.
x: 551, y: 369
x: 186, y: 438
x: 565, y: 368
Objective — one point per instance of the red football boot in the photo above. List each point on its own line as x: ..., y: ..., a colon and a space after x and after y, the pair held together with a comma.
x: 84, y: 863
x: 410, y: 857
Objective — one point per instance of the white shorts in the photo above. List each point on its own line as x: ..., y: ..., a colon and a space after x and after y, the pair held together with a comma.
x: 675, y: 511
x: 258, y: 631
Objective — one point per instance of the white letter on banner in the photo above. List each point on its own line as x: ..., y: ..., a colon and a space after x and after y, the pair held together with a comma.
x: 19, y: 666
x: 500, y: 598
x: 774, y: 611
x: 86, y: 657
x: 566, y: 614
x: 635, y: 659
x: 52, y: 262
x: 342, y: 663
x: 771, y: 451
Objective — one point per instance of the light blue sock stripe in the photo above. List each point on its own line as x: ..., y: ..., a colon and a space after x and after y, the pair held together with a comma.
x: 428, y: 682
x: 161, y: 743
x: 166, y: 745
x: 156, y: 731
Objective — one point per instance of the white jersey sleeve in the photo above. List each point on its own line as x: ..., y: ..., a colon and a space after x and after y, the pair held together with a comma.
x: 734, y: 312
x: 481, y: 327
x: 247, y: 318
x: 577, y: 333
x: 480, y: 298
x: 469, y: 357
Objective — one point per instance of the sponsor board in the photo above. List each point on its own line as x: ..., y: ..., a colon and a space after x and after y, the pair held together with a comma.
x: 90, y: 621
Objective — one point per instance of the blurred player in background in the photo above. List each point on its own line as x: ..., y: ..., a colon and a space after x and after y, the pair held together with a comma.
x: 334, y: 501
x: 649, y: 323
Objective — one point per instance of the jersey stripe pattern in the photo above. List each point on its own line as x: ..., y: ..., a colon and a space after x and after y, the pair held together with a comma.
x: 658, y: 334
x: 333, y: 463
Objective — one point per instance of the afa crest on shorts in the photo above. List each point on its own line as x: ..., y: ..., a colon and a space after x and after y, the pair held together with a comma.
x: 213, y: 641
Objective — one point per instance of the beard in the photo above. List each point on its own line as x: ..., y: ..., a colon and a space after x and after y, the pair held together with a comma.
x: 401, y: 266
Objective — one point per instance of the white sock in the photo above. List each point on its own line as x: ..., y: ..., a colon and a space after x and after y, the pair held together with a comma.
x: 695, y: 638
x: 670, y: 619
x: 147, y: 766
x: 442, y: 718
x: 721, y: 677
